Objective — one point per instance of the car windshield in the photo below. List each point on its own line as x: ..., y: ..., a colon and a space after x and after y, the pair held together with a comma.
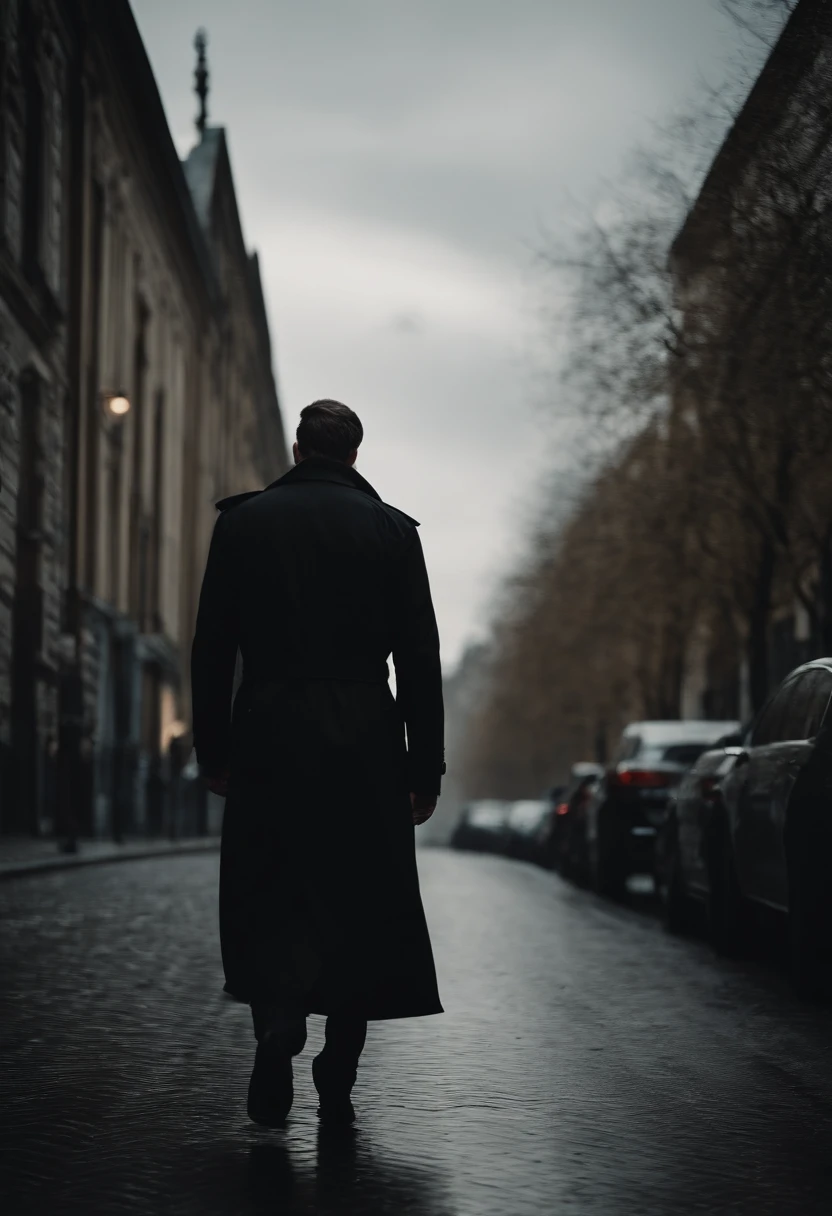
x: 527, y: 814
x: 487, y: 815
x: 677, y: 753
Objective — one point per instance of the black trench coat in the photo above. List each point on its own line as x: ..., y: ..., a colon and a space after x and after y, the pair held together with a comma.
x: 317, y: 582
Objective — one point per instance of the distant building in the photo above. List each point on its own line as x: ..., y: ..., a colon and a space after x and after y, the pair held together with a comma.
x: 136, y: 387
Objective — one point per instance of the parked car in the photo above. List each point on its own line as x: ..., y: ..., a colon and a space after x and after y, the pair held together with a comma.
x: 523, y: 825
x: 553, y: 798
x: 694, y: 811
x: 482, y: 826
x: 770, y: 843
x: 623, y: 815
x: 562, y: 835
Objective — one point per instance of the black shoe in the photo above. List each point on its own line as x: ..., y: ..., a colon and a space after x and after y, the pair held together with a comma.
x: 271, y: 1090
x: 334, y: 1086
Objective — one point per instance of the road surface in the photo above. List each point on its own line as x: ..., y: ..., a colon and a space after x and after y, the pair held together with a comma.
x: 587, y: 1063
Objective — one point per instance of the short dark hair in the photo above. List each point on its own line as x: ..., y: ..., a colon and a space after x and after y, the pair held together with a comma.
x: 328, y: 428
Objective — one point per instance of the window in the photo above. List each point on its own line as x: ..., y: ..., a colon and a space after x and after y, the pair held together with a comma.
x: 811, y: 699
x: 794, y: 714
x: 33, y: 159
x: 629, y: 747
x: 774, y: 718
x: 153, y: 610
x: 685, y: 753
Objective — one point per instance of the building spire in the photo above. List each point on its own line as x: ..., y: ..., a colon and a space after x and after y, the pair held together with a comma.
x: 201, y: 78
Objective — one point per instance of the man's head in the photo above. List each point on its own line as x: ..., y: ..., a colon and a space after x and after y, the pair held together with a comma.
x: 328, y: 428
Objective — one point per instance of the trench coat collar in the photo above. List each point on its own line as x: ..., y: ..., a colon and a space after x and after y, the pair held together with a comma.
x: 321, y: 468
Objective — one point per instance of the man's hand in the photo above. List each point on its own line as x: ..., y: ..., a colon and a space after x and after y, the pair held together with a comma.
x: 218, y: 783
x: 423, y: 807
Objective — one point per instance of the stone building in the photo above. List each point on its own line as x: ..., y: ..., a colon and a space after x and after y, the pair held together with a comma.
x: 137, y: 388
x: 38, y: 48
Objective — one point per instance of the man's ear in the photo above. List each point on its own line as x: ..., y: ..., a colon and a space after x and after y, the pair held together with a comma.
x: 353, y: 456
x: 296, y: 453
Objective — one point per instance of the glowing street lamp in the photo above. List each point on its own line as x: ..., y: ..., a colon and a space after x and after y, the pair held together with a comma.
x: 117, y: 404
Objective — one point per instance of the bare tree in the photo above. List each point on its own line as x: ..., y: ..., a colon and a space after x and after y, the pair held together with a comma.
x: 598, y: 623
x: 763, y: 20
x: 753, y: 264
x: 709, y: 378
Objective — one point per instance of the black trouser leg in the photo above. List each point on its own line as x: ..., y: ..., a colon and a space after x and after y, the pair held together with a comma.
x: 280, y: 1030
x: 345, y: 1039
x: 281, y: 1021
x: 334, y: 1070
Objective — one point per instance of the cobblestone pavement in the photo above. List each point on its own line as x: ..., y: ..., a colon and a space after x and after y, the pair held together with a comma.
x: 587, y: 1063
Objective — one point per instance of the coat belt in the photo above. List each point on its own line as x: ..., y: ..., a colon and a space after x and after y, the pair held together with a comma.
x: 350, y: 671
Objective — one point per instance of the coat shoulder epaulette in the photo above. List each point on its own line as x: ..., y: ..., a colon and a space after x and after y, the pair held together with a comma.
x: 397, y: 514
x: 234, y: 500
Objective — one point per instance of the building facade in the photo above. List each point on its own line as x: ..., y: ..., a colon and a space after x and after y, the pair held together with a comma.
x: 136, y: 387
x: 38, y: 48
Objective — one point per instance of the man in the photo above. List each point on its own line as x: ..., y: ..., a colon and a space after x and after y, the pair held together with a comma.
x: 317, y: 582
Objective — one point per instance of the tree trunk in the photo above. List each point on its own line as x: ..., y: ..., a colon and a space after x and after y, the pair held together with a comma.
x: 758, y: 621
x: 825, y: 594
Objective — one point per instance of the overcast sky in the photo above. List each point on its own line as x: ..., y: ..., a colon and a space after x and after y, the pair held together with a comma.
x: 396, y: 162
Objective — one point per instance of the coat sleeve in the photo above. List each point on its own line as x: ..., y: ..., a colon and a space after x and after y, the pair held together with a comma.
x: 418, y: 670
x: 214, y: 654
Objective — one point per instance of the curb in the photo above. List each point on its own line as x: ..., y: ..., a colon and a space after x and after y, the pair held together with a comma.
x: 138, y: 852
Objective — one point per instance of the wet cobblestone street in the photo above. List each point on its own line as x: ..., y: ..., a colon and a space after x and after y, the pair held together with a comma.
x: 587, y: 1063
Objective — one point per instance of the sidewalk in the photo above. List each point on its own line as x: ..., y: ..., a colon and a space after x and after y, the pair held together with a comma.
x: 27, y: 855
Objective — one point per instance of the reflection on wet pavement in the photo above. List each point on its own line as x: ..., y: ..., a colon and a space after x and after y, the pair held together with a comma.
x: 345, y: 1178
x: 587, y: 1063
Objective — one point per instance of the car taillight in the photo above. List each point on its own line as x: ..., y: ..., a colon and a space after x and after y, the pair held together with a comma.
x: 562, y: 808
x: 641, y: 778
